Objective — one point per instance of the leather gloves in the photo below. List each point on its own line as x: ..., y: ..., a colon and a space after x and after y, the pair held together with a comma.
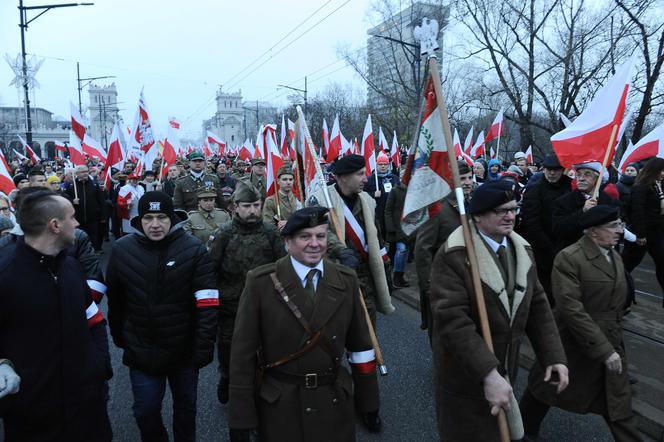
x: 372, y: 421
x: 239, y: 435
x: 10, y: 382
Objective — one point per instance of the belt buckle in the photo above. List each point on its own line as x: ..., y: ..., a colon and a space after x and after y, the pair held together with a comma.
x: 311, y: 380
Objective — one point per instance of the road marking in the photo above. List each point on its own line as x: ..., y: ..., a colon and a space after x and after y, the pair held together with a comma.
x: 652, y: 295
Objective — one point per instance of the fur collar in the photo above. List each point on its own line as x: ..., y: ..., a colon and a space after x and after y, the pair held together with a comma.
x: 490, y: 273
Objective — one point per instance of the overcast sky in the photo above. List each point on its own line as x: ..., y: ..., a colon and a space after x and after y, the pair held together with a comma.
x: 181, y: 51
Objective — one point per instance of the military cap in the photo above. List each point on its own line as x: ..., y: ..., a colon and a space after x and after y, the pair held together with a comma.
x: 195, y: 155
x: 285, y: 170
x: 246, y: 193
x: 464, y: 168
x: 348, y: 164
x: 551, y: 162
x: 121, y: 176
x: 490, y: 195
x: 595, y: 166
x: 206, y: 192
x: 598, y: 215
x: 304, y: 218
x: 257, y: 161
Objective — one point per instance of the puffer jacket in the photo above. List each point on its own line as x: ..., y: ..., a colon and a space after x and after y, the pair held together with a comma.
x: 162, y: 300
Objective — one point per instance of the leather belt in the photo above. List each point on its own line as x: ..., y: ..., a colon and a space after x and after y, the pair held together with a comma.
x: 308, y: 380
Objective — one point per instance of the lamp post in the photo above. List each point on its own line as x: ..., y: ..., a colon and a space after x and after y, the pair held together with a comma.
x: 80, y: 86
x: 304, y: 91
x: 24, y: 22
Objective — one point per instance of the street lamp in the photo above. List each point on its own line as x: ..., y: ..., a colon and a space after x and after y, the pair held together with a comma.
x: 23, y: 11
x: 80, y: 87
x: 304, y: 91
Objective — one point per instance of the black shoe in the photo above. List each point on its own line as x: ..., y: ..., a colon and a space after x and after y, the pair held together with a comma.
x: 222, y: 391
x: 372, y: 421
x: 633, y: 380
x: 399, y: 282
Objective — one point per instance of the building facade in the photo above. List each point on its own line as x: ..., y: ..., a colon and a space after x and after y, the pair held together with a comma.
x: 103, y: 114
x: 45, y: 130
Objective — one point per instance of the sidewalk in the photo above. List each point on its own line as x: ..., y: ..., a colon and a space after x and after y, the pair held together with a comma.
x: 646, y: 357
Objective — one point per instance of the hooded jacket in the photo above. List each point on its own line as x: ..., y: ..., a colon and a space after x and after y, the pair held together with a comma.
x: 162, y: 300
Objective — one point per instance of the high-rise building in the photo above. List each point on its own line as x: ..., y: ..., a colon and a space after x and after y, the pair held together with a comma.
x: 392, y: 55
x: 103, y: 114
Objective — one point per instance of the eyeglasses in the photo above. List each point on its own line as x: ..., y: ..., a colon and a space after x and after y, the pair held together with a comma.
x: 614, y: 225
x: 503, y: 212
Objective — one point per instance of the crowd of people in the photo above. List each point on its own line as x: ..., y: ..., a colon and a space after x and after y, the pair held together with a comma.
x: 287, y: 289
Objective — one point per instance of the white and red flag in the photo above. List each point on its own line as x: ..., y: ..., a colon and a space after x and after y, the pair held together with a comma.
x: 587, y: 137
x: 382, y: 142
x: 6, y: 181
x: 142, y: 135
x: 78, y: 123
x: 492, y: 153
x: 368, y: 148
x: 529, y: 154
x: 479, y: 148
x: 468, y: 143
x: 283, y: 144
x: 497, y: 128
x: 460, y: 154
x: 116, y: 153
x: 244, y: 153
x: 76, y: 155
x: 651, y: 145
x: 29, y: 152
x: 93, y: 148
x: 207, y: 151
x: 267, y: 142
x: 326, y: 139
x: 395, y: 154
x: 171, y: 146
x: 335, y: 148
x: 221, y: 144
x: 429, y: 183
x: 20, y: 155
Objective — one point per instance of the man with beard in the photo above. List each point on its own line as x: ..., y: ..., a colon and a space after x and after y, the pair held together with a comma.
x: 432, y: 234
x: 537, y: 217
x: 239, y: 246
x: 288, y: 204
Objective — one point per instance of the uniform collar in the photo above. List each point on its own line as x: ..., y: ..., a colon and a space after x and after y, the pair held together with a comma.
x: 493, y: 244
x: 197, y: 175
x: 303, y: 270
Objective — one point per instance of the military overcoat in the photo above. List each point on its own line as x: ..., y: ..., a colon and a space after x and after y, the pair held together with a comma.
x: 185, y: 195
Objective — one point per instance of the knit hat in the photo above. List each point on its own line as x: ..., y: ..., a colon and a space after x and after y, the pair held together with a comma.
x: 53, y: 179
x: 382, y: 158
x: 18, y: 178
x: 156, y: 202
x: 595, y: 166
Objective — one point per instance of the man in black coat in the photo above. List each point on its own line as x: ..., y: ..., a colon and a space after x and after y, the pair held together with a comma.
x: 568, y: 208
x: 163, y: 308
x: 52, y: 331
x: 386, y: 182
x: 537, y: 217
x: 88, y: 201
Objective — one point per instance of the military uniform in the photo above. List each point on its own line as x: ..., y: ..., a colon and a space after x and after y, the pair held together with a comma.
x: 203, y: 224
x: 185, y: 195
x: 287, y: 205
x: 259, y: 183
x: 312, y: 397
x: 238, y: 247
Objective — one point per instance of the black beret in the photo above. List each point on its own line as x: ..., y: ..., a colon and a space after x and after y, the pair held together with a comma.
x: 348, y: 164
x: 304, y: 218
x: 551, y: 162
x: 598, y: 215
x: 490, y: 195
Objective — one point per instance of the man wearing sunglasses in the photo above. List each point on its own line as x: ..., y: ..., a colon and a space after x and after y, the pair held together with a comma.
x: 472, y: 382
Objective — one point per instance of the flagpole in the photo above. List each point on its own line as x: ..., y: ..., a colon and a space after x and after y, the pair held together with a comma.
x: 470, y: 248
x: 382, y: 368
x: 612, y: 139
x: 298, y: 176
x: 376, y: 170
x: 408, y: 167
x: 500, y: 128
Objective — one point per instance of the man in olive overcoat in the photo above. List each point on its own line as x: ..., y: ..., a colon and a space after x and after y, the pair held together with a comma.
x: 590, y: 290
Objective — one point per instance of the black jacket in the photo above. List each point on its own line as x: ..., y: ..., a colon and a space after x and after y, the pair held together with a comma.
x: 91, y: 200
x: 537, y: 211
x: 153, y: 311
x: 646, y: 211
x: 566, y: 213
x: 381, y: 201
x: 56, y: 338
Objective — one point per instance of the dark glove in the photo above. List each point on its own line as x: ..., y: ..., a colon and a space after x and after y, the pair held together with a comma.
x: 239, y: 435
x: 348, y: 258
x: 203, y: 358
x: 372, y: 421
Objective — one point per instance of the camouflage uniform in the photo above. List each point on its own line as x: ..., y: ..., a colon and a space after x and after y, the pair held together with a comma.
x: 187, y: 187
x: 238, y: 247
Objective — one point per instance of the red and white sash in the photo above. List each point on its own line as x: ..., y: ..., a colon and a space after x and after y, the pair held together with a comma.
x: 356, y: 234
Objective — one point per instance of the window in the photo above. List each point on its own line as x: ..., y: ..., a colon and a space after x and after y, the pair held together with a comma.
x: 232, y: 137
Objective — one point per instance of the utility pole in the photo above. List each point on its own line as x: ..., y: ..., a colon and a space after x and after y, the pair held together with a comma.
x: 80, y: 87
x: 23, y: 24
x: 302, y: 91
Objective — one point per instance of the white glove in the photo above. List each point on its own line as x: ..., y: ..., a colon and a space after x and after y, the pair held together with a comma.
x: 9, y: 380
x: 629, y: 236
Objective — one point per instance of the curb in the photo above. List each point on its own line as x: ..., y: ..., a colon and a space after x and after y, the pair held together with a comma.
x: 650, y: 420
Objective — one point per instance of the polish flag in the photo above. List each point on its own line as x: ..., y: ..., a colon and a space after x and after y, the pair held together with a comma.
x: 143, y: 135
x: 479, y: 147
x: 212, y: 138
x: 430, y: 181
x: 267, y: 142
x: 244, y: 153
x: 6, y: 181
x: 28, y: 150
x: 529, y: 155
x: 395, y: 154
x: 20, y: 155
x: 78, y: 123
x: 60, y: 148
x: 76, y: 155
x: 346, y: 146
x: 468, y: 143
x: 334, y: 151
x: 566, y: 121
x: 93, y: 149
x: 207, y: 152
x: 651, y: 145
x: 326, y: 139
x: 116, y: 156
x: 460, y: 154
x: 368, y: 148
x: 497, y: 128
x: 382, y: 142
x: 587, y: 137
